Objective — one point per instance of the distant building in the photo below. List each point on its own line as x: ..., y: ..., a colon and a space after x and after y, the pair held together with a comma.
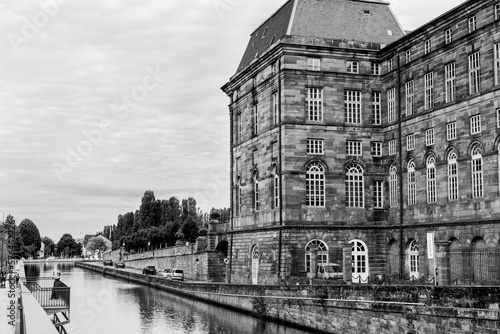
x: 94, y: 255
x: 347, y: 132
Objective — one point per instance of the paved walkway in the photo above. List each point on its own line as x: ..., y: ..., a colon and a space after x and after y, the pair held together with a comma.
x: 8, y: 311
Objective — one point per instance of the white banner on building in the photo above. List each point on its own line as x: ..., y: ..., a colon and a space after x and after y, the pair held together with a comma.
x: 430, y: 245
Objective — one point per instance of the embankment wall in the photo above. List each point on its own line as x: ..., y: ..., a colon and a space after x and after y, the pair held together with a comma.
x: 347, y: 309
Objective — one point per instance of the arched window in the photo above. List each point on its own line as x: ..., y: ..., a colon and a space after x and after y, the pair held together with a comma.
x: 431, y: 180
x: 256, y: 192
x: 276, y: 189
x: 322, y: 256
x: 359, y: 261
x: 411, y: 183
x: 477, y: 172
x: 393, y: 186
x: 413, y: 259
x: 315, y: 185
x: 354, y: 186
x: 452, y: 176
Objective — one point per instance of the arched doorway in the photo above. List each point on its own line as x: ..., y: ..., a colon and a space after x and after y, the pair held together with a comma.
x: 393, y: 260
x: 413, y: 259
x: 360, y: 270
x: 255, y: 264
x: 479, y: 257
x: 322, y: 254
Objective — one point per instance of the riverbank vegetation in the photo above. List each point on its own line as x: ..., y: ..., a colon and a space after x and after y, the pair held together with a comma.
x: 160, y: 223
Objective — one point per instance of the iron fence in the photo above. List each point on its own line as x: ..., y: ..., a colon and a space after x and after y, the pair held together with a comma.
x: 475, y: 267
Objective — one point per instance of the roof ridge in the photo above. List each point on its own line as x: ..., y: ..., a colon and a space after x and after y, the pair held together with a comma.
x: 270, y: 17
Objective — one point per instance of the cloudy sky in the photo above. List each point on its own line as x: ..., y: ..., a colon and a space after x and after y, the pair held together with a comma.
x: 102, y: 100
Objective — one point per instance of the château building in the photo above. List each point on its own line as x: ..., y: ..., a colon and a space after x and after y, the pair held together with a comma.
x: 349, y: 133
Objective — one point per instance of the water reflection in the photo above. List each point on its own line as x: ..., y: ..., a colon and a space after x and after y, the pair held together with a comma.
x: 99, y: 303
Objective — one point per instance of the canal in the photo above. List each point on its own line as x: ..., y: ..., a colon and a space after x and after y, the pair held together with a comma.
x: 107, y: 305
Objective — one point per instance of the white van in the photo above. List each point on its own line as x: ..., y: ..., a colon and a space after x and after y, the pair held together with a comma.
x: 176, y: 274
x: 330, y: 271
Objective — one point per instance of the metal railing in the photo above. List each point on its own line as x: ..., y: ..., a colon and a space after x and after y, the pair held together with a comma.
x: 475, y: 267
x: 49, y: 293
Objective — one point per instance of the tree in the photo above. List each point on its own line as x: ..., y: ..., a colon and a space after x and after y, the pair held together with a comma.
x: 66, y: 246
x: 31, y: 236
x: 49, y: 246
x: 97, y: 244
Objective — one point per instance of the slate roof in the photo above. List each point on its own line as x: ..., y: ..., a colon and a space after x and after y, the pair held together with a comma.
x: 368, y: 21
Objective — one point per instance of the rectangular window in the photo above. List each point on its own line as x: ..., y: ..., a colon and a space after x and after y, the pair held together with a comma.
x: 408, y: 56
x: 409, y: 89
x: 352, y: 66
x: 393, y: 187
x: 475, y: 124
x: 376, y: 148
x: 431, y: 181
x: 472, y: 24
x: 474, y: 73
x: 275, y: 108
x: 375, y: 69
x: 315, y: 146
x: 274, y: 68
x: 275, y: 149
x: 354, y: 148
x: 477, y: 175
x: 498, y: 118
x: 390, y: 65
x: 496, y: 51
x: 256, y: 196
x: 378, y: 194
x: 392, y: 147
x: 377, y: 108
x: 412, y: 186
x: 255, y: 119
x: 352, y: 103
x: 449, y: 73
x: 313, y: 64
x: 448, y: 36
x: 429, y: 90
x: 410, y: 142
x: 497, y: 11
x: 451, y: 131
x: 315, y: 104
x: 429, y: 137
x: 391, y: 105
x: 427, y: 46
x: 276, y: 191
x: 239, y: 128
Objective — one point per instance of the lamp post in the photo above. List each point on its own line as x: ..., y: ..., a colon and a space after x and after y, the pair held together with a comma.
x: 148, y: 244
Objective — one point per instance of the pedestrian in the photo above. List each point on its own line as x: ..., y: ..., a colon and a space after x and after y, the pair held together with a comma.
x: 57, y: 281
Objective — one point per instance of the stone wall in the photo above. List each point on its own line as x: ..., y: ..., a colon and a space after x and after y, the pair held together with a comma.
x: 197, y: 264
x: 347, y: 309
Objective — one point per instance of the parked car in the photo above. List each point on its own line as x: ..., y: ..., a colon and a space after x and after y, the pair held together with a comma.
x: 176, y: 274
x: 330, y: 271
x: 166, y: 272
x: 119, y: 264
x: 149, y: 270
x: 107, y: 263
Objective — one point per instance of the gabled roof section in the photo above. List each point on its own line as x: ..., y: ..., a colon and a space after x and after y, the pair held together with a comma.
x: 368, y: 21
x: 267, y: 33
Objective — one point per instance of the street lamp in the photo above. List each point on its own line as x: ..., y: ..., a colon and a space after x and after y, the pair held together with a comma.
x: 148, y: 244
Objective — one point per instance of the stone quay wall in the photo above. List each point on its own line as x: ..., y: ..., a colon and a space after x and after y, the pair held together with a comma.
x: 346, y: 309
x: 197, y: 263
